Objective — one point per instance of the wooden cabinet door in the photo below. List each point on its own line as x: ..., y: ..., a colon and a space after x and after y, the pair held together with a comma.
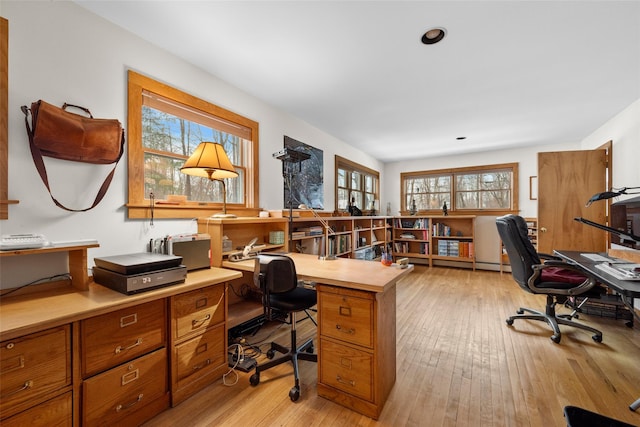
x: 566, y: 180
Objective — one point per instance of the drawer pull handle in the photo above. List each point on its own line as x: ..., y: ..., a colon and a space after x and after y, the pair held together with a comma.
x: 26, y: 386
x: 120, y: 348
x: 349, y: 331
x: 346, y: 382
x: 195, y: 322
x: 129, y: 405
x: 202, y: 365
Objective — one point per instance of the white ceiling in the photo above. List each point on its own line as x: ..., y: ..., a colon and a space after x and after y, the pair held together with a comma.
x: 508, y: 73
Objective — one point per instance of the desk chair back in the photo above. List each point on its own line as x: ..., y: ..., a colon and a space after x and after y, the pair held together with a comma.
x: 522, y: 255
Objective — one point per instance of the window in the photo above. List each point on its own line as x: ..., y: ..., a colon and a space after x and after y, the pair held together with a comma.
x: 466, y: 190
x: 358, y: 184
x: 165, y: 125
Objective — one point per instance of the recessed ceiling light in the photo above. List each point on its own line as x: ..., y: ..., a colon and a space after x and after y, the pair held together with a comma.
x: 434, y: 35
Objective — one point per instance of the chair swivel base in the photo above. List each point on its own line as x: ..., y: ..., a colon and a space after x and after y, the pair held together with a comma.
x: 293, y: 354
x: 553, y: 320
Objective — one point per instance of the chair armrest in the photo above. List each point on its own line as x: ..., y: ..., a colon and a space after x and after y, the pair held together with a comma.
x: 589, y: 282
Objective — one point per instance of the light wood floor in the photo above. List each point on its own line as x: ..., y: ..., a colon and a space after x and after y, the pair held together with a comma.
x: 458, y: 364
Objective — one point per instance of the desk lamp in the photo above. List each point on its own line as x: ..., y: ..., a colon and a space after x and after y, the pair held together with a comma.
x: 614, y: 192
x: 209, y: 160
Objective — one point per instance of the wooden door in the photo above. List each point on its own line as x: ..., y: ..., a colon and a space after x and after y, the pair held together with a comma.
x: 566, y: 180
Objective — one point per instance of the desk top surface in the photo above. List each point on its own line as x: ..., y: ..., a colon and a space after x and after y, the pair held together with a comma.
x: 24, y: 314
x: 629, y: 288
x: 345, y: 272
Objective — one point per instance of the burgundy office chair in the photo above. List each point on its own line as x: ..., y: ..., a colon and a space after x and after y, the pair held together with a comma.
x: 276, y: 276
x: 554, y: 278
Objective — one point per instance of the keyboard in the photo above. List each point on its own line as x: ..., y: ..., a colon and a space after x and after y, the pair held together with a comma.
x: 620, y: 273
x: 10, y: 242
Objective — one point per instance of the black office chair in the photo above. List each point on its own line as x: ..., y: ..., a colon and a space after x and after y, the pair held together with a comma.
x: 554, y: 278
x: 276, y: 276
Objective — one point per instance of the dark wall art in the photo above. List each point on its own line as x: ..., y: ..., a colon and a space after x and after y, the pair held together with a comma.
x: 306, y: 177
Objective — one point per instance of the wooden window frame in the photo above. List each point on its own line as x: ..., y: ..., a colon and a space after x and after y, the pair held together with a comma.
x: 138, y: 205
x: 455, y: 171
x: 342, y: 163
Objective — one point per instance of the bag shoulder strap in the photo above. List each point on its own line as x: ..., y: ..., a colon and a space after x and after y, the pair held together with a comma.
x: 42, y: 171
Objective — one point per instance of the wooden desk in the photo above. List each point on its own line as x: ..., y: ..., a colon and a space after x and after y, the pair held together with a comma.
x: 356, y: 328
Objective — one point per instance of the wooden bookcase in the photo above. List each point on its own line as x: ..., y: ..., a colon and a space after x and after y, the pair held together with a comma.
x: 425, y: 239
x: 349, y: 236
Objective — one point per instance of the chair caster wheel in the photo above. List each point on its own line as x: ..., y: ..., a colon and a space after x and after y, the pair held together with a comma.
x: 597, y: 338
x: 509, y: 321
x: 270, y: 354
x: 294, y: 394
x: 254, y: 380
x: 555, y: 338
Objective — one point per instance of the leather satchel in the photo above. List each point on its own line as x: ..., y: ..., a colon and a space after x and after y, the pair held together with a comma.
x: 55, y: 132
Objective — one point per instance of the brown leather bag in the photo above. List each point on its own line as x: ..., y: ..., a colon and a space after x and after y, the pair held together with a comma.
x: 57, y: 133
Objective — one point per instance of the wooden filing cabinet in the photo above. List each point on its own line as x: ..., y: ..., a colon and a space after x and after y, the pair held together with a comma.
x: 124, y: 365
x: 356, y: 364
x: 198, y: 340
x: 35, y: 379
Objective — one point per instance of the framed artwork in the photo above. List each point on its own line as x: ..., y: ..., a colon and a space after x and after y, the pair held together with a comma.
x: 533, y: 188
x: 303, y: 181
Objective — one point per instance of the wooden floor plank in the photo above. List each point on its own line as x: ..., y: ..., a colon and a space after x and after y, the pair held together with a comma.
x: 458, y: 364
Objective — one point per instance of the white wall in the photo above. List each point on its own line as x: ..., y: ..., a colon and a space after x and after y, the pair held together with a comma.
x: 624, y: 130
x: 60, y: 52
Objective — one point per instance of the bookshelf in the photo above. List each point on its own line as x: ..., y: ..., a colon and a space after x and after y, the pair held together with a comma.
x: 425, y: 239
x: 362, y: 237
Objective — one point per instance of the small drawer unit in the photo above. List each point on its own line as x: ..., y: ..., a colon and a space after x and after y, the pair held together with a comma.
x: 33, y: 369
x: 122, y: 391
x: 347, y: 368
x: 198, y: 340
x: 115, y: 338
x: 348, y: 317
x: 356, y: 331
x: 195, y: 311
x: 197, y: 357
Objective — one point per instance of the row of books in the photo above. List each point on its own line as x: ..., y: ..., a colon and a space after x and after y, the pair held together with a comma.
x: 340, y: 244
x: 410, y: 223
x: 307, y: 231
x: 455, y: 248
x: 406, y: 247
x: 440, y: 229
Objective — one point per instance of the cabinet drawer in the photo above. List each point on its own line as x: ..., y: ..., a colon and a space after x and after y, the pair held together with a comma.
x: 200, y: 355
x: 347, y: 318
x: 56, y: 412
x: 114, y: 338
x: 347, y: 369
x: 112, y: 395
x: 32, y: 367
x: 195, y: 311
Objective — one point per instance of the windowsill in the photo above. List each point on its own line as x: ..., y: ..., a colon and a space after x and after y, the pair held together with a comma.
x: 162, y: 211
